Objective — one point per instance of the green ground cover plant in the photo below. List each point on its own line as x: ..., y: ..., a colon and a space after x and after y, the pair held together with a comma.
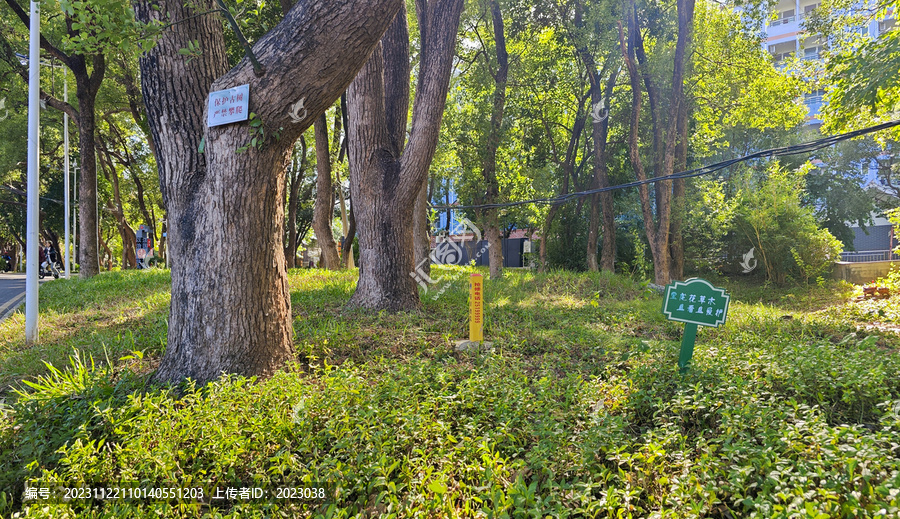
x: 792, y: 409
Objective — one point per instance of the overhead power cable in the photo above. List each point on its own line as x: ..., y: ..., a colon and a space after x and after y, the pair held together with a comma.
x: 705, y: 170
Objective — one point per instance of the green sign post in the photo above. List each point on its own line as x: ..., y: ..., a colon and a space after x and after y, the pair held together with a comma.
x: 694, y: 302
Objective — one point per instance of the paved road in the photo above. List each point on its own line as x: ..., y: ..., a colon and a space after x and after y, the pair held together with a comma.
x: 12, y: 292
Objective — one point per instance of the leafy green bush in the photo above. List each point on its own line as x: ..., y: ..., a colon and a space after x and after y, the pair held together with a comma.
x: 787, y: 238
x: 816, y: 253
x: 707, y: 223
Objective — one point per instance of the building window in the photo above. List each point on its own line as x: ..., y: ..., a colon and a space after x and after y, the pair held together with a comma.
x: 812, y: 52
x: 783, y: 18
x: 814, y: 102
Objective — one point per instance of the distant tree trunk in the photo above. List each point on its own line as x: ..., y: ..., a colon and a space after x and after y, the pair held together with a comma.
x: 108, y: 255
x: 347, y: 223
x: 567, y: 164
x: 235, y: 316
x: 129, y: 239
x: 384, y: 184
x: 162, y: 252
x: 676, y: 246
x: 296, y: 177
x: 324, y: 209
x: 489, y: 167
x: 656, y: 223
x: 422, y: 232
x: 87, y: 84
x: 548, y: 223
x: 347, y: 249
x: 601, y: 173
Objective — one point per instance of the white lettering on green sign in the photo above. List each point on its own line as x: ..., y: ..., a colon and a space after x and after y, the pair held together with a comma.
x: 696, y: 301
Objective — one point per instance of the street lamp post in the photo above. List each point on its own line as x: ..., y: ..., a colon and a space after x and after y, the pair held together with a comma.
x: 33, y: 209
x: 24, y: 60
x: 66, y: 166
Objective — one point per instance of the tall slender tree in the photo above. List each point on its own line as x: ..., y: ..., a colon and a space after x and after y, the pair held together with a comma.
x: 657, y: 212
x: 489, y: 164
x: 324, y: 210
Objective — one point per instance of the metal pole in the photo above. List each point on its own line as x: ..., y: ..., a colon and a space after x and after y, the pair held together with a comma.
x: 66, y: 165
x: 75, y: 214
x: 33, y: 212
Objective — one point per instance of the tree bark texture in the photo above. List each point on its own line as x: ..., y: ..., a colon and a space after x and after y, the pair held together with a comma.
x: 323, y: 212
x: 226, y: 315
x: 386, y: 177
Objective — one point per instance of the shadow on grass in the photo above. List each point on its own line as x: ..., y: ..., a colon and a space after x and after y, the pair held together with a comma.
x: 107, y: 316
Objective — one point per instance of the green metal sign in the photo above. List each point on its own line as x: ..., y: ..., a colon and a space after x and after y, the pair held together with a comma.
x: 694, y: 302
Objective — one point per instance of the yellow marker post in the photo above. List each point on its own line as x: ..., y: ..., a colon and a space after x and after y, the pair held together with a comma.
x: 476, y: 308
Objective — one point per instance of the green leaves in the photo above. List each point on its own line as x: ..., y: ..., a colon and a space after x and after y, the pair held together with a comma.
x: 101, y: 26
x: 193, y: 50
x: 257, y: 134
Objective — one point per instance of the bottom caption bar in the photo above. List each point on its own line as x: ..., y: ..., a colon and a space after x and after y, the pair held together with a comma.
x: 212, y: 494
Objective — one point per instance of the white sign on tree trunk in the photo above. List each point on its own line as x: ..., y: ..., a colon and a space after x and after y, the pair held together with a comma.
x: 228, y: 106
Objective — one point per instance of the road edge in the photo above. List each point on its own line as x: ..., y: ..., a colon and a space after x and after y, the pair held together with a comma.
x: 10, y: 308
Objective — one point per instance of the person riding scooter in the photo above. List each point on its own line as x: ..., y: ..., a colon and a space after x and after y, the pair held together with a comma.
x: 46, y: 256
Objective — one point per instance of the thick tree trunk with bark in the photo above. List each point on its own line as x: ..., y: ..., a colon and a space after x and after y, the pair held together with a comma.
x: 323, y: 212
x: 385, y: 176
x: 226, y: 315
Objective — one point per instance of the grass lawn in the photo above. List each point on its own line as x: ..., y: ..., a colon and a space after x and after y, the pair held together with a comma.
x: 791, y: 409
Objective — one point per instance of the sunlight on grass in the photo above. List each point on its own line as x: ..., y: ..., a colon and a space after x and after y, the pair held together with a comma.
x: 578, y: 411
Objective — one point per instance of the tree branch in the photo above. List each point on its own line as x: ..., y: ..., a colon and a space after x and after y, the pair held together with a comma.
x: 45, y: 43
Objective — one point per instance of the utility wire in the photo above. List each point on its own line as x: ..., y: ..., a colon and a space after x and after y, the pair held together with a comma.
x: 705, y: 170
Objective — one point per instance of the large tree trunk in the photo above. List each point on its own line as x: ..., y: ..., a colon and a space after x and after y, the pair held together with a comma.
x: 226, y: 315
x: 383, y: 184
x: 323, y: 212
x: 489, y: 167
